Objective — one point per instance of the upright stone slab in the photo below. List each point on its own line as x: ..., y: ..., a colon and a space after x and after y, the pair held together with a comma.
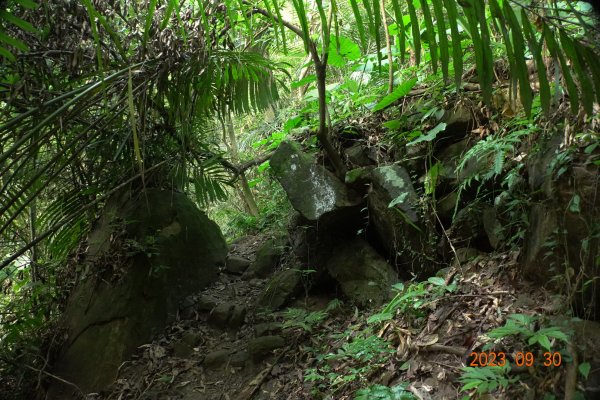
x: 399, y: 229
x: 312, y: 190
x: 146, y: 253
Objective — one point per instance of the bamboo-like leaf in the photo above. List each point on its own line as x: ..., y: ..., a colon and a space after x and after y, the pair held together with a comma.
x: 444, y: 45
x: 487, y: 57
x: 26, y: 26
x: 359, y: 23
x: 168, y: 12
x: 16, y: 43
x: 370, y: 20
x: 587, y: 89
x: 401, y: 91
x: 497, y: 13
x: 378, y: 23
x: 30, y: 4
x: 592, y: 62
x: 280, y: 25
x: 416, y: 34
x: 481, y: 47
x: 149, y: 18
x: 521, y: 70
x: 136, y: 140
x: 433, y: 47
x: 536, y: 51
x: 301, y: 13
x: 457, y: 54
x: 400, y: 24
x: 557, y: 52
x: 7, y: 54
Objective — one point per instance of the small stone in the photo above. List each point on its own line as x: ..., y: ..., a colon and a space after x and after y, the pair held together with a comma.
x: 261, y: 347
x: 267, y: 327
x: 228, y: 316
x: 182, y: 349
x: 216, y: 359
x: 239, y: 359
x: 206, y: 303
x: 236, y: 264
x: 267, y: 259
x: 191, y: 339
x: 280, y: 289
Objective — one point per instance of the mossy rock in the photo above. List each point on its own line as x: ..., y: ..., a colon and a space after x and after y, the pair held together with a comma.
x: 110, y: 315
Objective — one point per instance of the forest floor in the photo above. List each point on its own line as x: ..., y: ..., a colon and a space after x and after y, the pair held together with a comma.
x: 427, y: 343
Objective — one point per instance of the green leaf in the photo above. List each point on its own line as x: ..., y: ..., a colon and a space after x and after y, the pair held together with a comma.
x: 525, y: 91
x: 556, y: 52
x: 584, y: 369
x: 28, y: 4
x: 359, y: 23
x: 430, y: 135
x: 7, y: 54
x: 373, y: 319
x: 341, y: 49
x: 149, y: 18
x: 433, y: 47
x: 393, y: 124
x: 26, y: 26
x: 16, y: 43
x: 401, y: 91
x: 400, y: 27
x: 536, y: 50
x: 441, y: 28
x: 574, y: 204
x: 416, y: 34
x: 587, y: 89
x: 437, y: 281
x: 457, y: 54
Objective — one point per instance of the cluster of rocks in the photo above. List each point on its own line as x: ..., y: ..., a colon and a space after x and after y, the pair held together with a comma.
x: 378, y: 226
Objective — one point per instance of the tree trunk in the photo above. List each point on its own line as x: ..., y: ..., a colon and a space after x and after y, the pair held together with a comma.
x: 245, y: 191
x: 323, y: 133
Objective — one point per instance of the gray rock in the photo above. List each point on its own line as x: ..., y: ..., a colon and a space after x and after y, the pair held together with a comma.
x: 445, y: 206
x: 265, y: 328
x: 359, y: 175
x: 236, y: 264
x: 228, y: 316
x: 312, y: 190
x: 182, y: 350
x: 206, y: 303
x: 261, y: 347
x: 465, y: 254
x: 364, y: 276
x: 394, y: 181
x: 267, y: 259
x: 282, y: 286
x: 467, y: 227
x: 405, y: 238
x: 174, y: 250
x: 357, y: 156
x: 217, y: 359
x: 239, y: 358
x: 492, y: 227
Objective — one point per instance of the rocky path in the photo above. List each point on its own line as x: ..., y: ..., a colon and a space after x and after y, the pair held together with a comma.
x: 221, y: 346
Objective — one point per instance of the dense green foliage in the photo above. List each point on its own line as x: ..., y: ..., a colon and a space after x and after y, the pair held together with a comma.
x: 99, y: 95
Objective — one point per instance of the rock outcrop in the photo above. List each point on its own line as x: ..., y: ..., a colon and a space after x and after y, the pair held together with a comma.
x: 312, y: 190
x: 146, y: 253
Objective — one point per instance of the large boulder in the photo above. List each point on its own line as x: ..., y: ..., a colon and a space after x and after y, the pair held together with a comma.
x: 393, y: 216
x: 562, y: 237
x: 363, y: 275
x: 312, y: 190
x: 146, y: 253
